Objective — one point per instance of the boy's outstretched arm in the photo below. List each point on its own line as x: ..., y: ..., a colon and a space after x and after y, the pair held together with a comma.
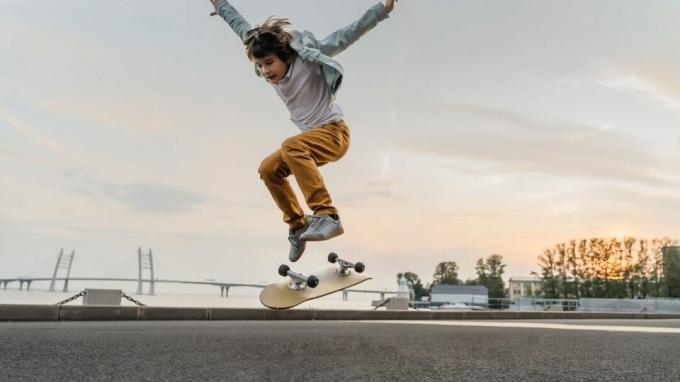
x: 339, y: 40
x: 232, y: 17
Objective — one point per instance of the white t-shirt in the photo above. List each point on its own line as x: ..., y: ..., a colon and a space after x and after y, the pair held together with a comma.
x: 307, y: 95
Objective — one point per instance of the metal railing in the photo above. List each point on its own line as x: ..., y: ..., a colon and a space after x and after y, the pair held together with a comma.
x: 534, y: 304
x: 529, y: 304
x: 648, y: 305
x: 509, y: 304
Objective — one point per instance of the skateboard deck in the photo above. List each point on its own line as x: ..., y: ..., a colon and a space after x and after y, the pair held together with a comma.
x: 281, y: 296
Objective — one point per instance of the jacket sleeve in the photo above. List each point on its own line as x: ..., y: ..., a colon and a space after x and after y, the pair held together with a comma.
x: 233, y: 18
x: 339, y: 40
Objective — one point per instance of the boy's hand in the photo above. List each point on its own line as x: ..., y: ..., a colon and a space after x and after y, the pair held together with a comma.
x: 214, y: 3
x: 389, y: 5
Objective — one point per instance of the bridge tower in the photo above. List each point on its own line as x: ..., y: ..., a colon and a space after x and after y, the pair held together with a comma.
x: 145, y: 262
x: 63, y: 262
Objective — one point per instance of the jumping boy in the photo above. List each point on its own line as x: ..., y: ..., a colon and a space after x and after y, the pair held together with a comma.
x: 300, y: 69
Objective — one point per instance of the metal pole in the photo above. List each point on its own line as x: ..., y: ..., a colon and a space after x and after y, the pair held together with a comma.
x: 68, y: 272
x: 152, y: 289
x: 54, y: 275
x: 139, y: 279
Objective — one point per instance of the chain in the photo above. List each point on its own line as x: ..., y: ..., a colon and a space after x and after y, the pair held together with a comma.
x: 382, y: 303
x: 71, y: 298
x: 132, y: 299
x: 81, y: 294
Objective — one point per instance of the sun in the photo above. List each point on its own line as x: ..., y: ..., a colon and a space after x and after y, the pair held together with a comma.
x: 619, y: 232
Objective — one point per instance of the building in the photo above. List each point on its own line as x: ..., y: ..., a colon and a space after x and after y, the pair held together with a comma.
x: 466, y: 294
x: 524, y: 287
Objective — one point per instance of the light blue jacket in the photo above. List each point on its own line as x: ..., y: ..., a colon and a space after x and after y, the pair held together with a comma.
x: 307, y: 46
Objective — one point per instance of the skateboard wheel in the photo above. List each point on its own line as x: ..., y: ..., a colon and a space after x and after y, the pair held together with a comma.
x: 359, y: 267
x: 332, y: 257
x: 312, y: 281
x: 283, y: 270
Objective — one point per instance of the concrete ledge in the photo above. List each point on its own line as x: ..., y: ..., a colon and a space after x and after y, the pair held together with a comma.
x: 220, y: 314
x: 290, y: 314
x: 115, y: 313
x: 29, y: 313
x: 339, y: 314
x: 98, y: 313
x: 154, y: 313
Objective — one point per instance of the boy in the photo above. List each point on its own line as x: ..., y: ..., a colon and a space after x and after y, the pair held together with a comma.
x: 300, y: 69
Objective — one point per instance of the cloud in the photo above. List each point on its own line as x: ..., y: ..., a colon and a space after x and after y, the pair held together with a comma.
x: 514, y: 142
x: 381, y: 194
x: 26, y: 129
x: 660, y: 92
x: 152, y: 197
x: 658, y: 81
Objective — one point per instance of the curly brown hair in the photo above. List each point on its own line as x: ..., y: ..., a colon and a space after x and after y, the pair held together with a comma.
x: 268, y: 38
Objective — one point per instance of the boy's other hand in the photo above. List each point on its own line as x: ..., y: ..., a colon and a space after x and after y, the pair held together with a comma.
x: 214, y: 3
x: 389, y: 5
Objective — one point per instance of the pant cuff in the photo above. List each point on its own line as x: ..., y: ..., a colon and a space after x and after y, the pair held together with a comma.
x: 297, y: 223
x: 326, y: 211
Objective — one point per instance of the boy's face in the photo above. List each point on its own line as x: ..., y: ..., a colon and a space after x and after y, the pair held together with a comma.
x: 271, y: 67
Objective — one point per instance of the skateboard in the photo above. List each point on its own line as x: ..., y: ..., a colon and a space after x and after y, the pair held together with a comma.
x: 300, y: 288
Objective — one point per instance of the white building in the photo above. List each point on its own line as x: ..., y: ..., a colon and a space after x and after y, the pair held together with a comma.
x: 524, y: 287
x: 466, y: 294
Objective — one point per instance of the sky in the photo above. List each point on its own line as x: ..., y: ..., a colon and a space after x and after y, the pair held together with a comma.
x: 478, y: 128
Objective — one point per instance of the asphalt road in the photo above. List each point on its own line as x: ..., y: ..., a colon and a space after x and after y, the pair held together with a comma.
x: 331, y: 350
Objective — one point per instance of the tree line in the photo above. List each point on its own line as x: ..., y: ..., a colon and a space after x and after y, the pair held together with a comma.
x: 489, y: 274
x: 606, y: 268
x: 585, y: 268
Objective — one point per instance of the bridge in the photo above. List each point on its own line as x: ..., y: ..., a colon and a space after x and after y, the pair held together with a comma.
x: 145, y: 263
x: 224, y: 286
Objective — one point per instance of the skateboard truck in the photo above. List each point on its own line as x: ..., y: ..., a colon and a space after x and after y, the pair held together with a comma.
x: 345, y: 265
x: 298, y: 280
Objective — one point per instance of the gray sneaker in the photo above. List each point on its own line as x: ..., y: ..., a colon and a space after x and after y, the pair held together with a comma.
x: 323, y: 227
x: 297, y: 246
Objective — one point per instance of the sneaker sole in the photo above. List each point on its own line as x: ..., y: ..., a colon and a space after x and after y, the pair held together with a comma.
x: 321, y: 238
x: 293, y: 258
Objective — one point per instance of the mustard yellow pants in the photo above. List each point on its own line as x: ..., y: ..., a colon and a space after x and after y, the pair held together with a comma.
x: 302, y: 155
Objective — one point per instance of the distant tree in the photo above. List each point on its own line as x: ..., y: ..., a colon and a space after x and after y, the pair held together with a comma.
x: 660, y: 289
x: 548, y: 269
x: 631, y: 271
x: 414, y: 281
x: 644, y: 269
x: 490, y: 275
x: 671, y: 270
x: 446, y: 273
x: 575, y: 268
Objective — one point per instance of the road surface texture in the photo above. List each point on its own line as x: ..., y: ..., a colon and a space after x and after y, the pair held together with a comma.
x: 599, y: 350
